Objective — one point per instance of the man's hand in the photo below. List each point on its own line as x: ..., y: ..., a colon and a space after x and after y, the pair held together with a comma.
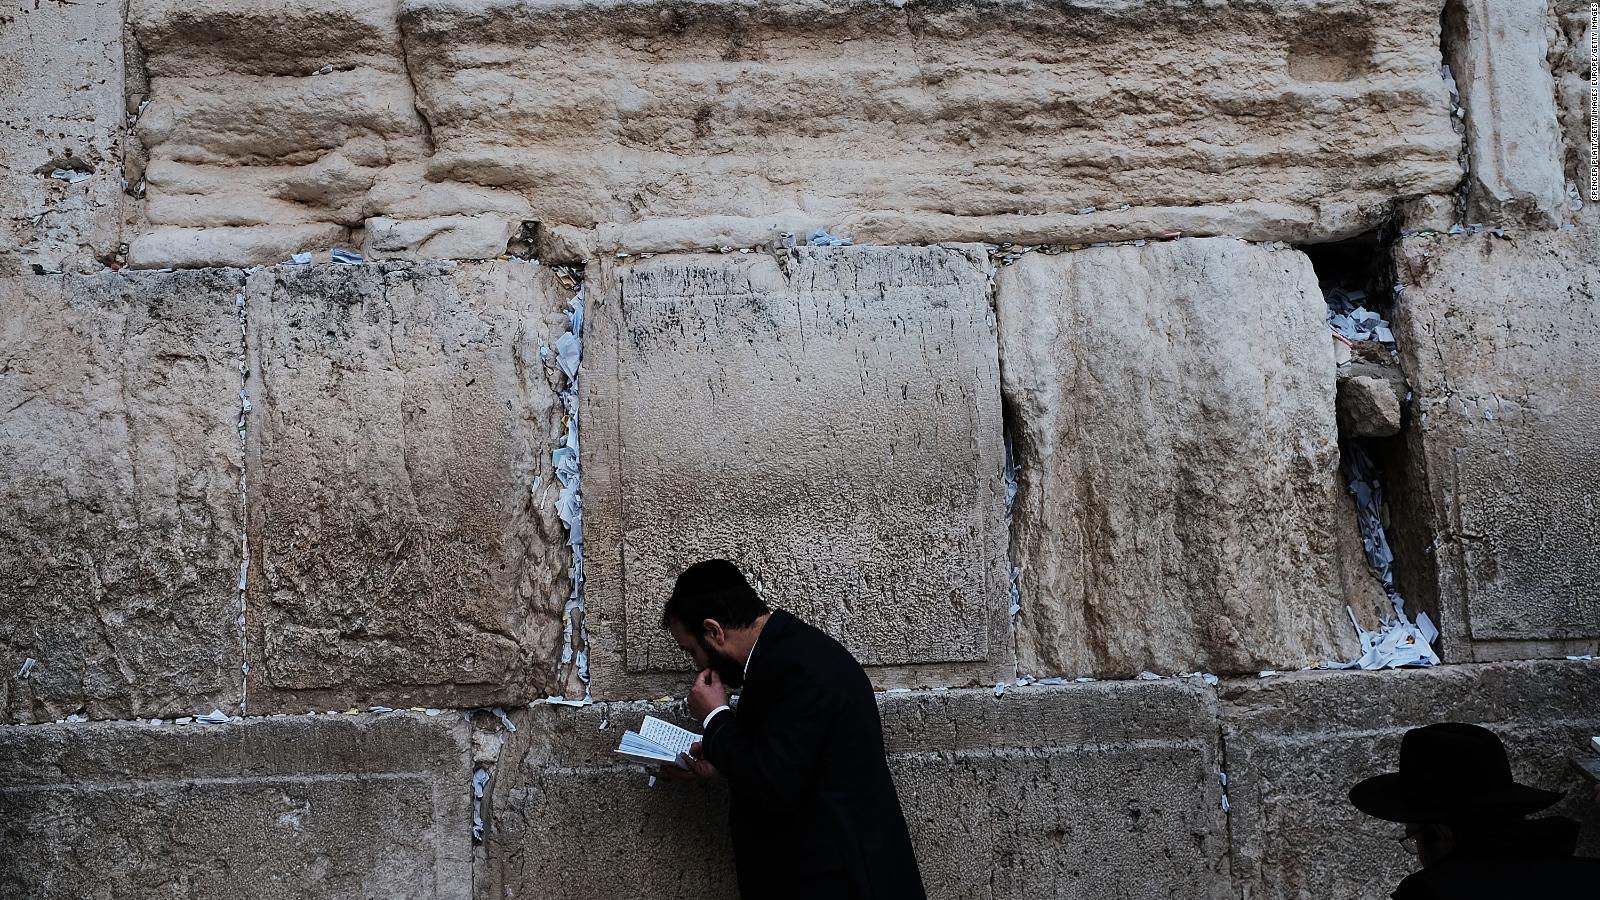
x: 707, y: 693
x: 694, y: 768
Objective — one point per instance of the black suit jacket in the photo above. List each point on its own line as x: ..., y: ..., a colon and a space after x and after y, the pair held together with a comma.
x: 814, y: 812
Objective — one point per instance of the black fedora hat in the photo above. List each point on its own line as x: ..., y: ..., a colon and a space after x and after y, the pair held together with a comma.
x: 1450, y: 771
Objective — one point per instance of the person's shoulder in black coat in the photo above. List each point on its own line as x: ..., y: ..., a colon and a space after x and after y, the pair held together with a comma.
x: 803, y: 753
x: 1534, y: 859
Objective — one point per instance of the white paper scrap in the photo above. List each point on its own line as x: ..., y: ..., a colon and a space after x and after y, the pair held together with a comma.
x: 562, y: 701
x: 504, y: 719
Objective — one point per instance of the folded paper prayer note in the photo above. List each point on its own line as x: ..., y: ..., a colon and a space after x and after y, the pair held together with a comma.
x: 656, y: 742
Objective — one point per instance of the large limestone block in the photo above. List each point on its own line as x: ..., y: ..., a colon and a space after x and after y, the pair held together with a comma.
x: 199, y: 38
x: 1501, y: 341
x: 206, y: 247
x: 833, y: 428
x: 366, y: 115
x: 323, y: 806
x: 1179, y: 504
x: 405, y: 548
x: 287, y: 126
x: 1091, y: 791
x: 1295, y: 745
x: 120, y: 463
x: 61, y: 86
x: 1569, y: 63
x: 1496, y: 50
x: 848, y: 111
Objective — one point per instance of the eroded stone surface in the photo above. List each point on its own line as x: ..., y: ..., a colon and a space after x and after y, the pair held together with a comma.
x: 842, y: 108
x: 61, y: 86
x: 1097, y: 791
x: 1569, y: 64
x: 1371, y: 400
x: 323, y: 806
x: 884, y: 121
x: 1506, y: 451
x: 405, y: 545
x: 286, y: 127
x: 1179, y: 506
x: 120, y: 462
x: 1497, y: 52
x: 834, y: 429
x: 1296, y: 744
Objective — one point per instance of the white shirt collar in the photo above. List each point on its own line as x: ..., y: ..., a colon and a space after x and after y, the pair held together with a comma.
x: 751, y: 655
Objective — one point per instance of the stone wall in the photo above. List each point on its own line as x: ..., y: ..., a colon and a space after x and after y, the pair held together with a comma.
x: 302, y: 544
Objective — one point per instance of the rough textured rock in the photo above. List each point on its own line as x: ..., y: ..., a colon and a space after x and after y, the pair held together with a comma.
x: 1296, y: 744
x: 1569, y: 64
x: 446, y: 237
x: 1371, y: 400
x: 405, y: 547
x: 1506, y: 452
x: 1094, y: 791
x: 834, y: 429
x: 323, y: 806
x: 120, y: 462
x: 273, y: 128
x: 259, y: 246
x: 1496, y: 50
x: 61, y: 86
x: 889, y: 122
x: 838, y: 107
x: 1179, y: 506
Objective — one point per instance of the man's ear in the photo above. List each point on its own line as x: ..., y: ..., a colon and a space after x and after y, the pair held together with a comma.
x: 712, y: 629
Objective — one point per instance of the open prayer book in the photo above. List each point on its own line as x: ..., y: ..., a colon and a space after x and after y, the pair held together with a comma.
x: 656, y: 742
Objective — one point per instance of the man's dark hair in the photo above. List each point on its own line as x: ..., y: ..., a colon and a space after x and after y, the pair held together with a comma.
x: 713, y: 589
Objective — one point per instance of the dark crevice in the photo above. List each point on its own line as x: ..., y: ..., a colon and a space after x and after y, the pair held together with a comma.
x: 1377, y: 462
x: 524, y: 241
x: 1453, y: 42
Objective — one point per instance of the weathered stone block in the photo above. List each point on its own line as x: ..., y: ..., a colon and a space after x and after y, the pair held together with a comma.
x: 252, y: 246
x: 199, y: 38
x: 405, y: 547
x: 833, y: 426
x: 1371, y: 400
x: 1297, y: 743
x: 1569, y: 64
x: 901, y: 125
x: 120, y: 465
x: 316, y: 806
x: 851, y: 110
x: 445, y: 237
x: 1179, y: 505
x: 1496, y: 50
x: 61, y: 86
x: 1501, y: 341
x: 284, y: 127
x: 1105, y: 790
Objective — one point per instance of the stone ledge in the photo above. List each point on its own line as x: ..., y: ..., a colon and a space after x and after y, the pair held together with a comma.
x: 1097, y: 790
x: 1295, y: 744
x: 356, y: 806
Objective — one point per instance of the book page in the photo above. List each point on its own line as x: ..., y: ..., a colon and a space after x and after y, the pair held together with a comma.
x: 634, y: 745
x: 668, y: 736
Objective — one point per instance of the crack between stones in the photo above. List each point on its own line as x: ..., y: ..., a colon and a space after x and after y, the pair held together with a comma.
x: 566, y: 460
x: 416, y: 97
x: 244, y: 498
